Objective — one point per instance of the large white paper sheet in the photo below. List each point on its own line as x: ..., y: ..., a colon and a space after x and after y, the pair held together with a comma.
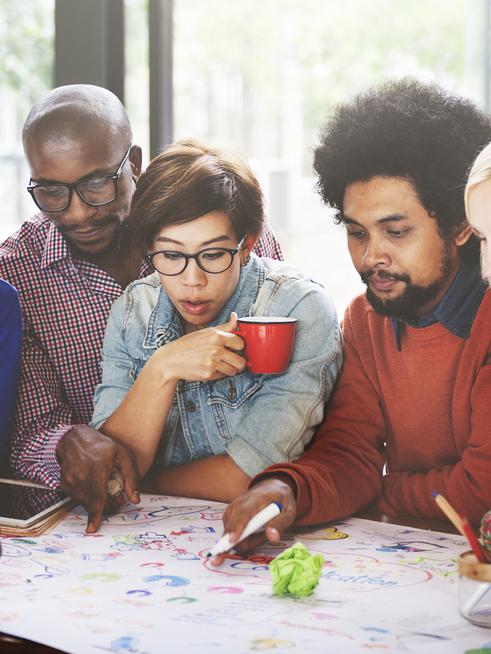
x: 143, y: 585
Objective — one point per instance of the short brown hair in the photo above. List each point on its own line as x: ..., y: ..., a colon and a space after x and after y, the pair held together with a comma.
x: 189, y: 179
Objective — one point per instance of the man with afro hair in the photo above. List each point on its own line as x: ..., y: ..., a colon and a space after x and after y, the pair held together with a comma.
x: 411, y: 413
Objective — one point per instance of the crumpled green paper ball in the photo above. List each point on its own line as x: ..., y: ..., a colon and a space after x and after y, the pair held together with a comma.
x: 295, y: 571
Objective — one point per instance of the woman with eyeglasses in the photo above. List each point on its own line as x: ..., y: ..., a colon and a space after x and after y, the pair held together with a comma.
x: 175, y: 386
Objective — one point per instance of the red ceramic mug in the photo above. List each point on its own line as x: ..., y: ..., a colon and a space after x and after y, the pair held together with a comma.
x: 268, y: 342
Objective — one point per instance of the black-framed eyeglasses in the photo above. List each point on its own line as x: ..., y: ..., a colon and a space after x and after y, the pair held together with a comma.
x: 95, y: 191
x: 211, y: 260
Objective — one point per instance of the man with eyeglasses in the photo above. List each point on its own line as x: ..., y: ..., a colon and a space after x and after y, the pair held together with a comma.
x: 69, y: 263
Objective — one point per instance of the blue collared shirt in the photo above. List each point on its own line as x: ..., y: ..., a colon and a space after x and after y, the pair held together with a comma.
x: 10, y: 349
x: 457, y: 308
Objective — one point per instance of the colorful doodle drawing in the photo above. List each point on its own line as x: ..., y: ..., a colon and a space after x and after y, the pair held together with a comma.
x: 193, y: 529
x: 149, y: 588
x: 345, y: 572
x: 329, y: 533
x: 152, y: 541
x: 225, y: 589
x: 235, y: 565
x: 183, y: 599
x: 130, y: 514
x: 411, y: 546
x: 268, y: 644
x: 438, y: 567
x: 125, y: 644
x: 10, y: 550
x: 100, y: 577
x: 412, y: 639
x: 167, y: 580
x: 211, y: 515
x: 102, y: 556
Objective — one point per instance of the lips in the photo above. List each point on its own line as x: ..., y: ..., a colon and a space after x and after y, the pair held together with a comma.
x: 88, y: 235
x: 382, y: 284
x: 195, y: 308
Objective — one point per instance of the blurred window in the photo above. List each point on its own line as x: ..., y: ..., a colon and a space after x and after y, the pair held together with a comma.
x: 259, y: 76
x: 136, y: 73
x: 26, y: 71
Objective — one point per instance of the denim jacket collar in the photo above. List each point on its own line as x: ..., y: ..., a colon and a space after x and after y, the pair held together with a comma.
x: 165, y: 323
x: 458, y: 307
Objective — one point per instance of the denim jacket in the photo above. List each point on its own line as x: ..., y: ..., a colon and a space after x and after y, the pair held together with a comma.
x: 257, y: 419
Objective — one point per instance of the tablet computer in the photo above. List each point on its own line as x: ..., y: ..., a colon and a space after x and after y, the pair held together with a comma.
x: 23, y: 504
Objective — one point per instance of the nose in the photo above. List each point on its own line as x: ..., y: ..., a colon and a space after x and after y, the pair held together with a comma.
x: 78, y: 211
x: 375, y: 253
x: 193, y: 275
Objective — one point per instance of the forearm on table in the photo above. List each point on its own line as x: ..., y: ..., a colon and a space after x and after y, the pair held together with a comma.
x: 468, y: 491
x: 216, y: 478
x: 330, y: 482
x: 140, y: 419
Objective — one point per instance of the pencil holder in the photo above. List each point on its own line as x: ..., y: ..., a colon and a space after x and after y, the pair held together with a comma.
x: 474, y: 589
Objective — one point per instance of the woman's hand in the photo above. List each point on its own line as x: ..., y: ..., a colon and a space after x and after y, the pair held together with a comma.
x: 204, y: 355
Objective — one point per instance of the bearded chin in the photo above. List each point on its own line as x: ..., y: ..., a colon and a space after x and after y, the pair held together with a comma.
x: 406, y: 306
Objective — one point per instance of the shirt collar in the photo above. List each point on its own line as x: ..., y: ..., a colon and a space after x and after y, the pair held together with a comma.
x: 458, y: 307
x: 56, y: 248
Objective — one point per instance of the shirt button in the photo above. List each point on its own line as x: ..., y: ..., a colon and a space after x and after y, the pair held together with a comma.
x: 232, y: 393
x: 190, y: 406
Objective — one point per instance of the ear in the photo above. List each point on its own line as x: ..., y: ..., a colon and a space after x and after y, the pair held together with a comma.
x: 248, y: 246
x: 463, y: 235
x: 135, y: 158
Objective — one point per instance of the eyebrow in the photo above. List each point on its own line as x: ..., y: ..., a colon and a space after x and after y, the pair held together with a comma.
x: 217, y: 239
x: 392, y: 218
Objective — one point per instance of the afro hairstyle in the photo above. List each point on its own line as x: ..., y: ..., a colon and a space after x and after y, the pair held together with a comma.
x: 404, y: 129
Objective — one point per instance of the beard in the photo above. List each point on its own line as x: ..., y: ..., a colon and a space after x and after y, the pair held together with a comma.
x: 407, y: 306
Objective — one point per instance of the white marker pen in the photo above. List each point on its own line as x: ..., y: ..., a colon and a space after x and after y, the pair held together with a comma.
x: 255, y: 524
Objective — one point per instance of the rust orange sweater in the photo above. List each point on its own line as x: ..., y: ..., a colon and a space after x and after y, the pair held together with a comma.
x: 425, y: 411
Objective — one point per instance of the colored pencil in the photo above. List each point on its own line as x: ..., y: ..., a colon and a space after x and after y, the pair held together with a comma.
x: 473, y: 542
x: 450, y: 512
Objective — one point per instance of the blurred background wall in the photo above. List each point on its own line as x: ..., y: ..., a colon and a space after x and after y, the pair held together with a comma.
x: 258, y: 76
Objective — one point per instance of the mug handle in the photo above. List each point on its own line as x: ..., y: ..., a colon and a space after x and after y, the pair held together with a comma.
x: 242, y: 335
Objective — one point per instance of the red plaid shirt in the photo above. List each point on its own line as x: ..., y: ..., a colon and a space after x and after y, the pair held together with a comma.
x: 65, y: 303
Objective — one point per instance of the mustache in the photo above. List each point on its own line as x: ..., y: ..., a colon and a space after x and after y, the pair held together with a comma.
x: 89, y: 225
x: 384, y: 274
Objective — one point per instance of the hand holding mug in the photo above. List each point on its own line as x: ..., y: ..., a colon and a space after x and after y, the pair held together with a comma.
x: 204, y: 355
x: 269, y: 342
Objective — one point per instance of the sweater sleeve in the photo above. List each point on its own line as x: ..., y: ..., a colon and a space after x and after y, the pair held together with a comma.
x: 465, y: 484
x: 341, y: 472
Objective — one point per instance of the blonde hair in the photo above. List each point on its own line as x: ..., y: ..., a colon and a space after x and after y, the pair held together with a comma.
x: 480, y: 172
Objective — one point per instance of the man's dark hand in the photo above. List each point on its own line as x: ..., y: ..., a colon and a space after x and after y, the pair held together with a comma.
x: 242, y: 509
x: 88, y: 459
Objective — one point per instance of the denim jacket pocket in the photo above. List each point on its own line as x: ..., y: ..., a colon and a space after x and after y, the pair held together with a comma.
x: 232, y: 392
